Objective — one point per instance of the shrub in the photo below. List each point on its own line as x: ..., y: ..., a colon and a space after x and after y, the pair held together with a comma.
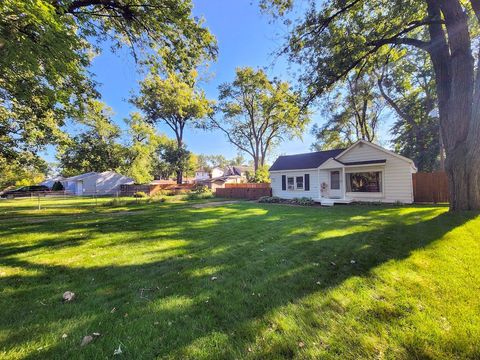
x: 198, y: 196
x: 154, y: 199
x: 269, y: 199
x: 140, y: 194
x: 58, y: 186
x: 200, y: 189
x: 304, y: 201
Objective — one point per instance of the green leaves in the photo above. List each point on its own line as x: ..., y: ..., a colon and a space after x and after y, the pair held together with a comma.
x: 46, y: 48
x: 259, y: 113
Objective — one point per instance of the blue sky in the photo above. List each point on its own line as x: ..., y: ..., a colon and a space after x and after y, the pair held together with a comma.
x: 245, y: 38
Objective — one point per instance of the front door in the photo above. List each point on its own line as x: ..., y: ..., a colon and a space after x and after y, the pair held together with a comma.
x: 79, y: 188
x: 335, y: 184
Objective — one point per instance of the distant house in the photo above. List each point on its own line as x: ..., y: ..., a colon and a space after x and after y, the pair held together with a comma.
x: 218, y: 177
x: 202, y: 174
x: 362, y: 172
x: 104, y: 183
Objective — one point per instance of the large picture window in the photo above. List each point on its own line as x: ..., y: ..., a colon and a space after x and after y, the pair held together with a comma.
x: 364, y: 182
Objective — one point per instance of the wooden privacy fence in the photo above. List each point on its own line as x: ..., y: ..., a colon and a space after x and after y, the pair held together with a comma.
x: 130, y: 190
x: 244, y: 191
x: 430, y: 187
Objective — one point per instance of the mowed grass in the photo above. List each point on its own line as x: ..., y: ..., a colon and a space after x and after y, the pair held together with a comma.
x: 244, y: 280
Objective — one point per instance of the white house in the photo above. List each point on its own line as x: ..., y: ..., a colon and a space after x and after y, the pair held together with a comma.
x: 362, y: 172
x: 202, y: 174
x: 104, y: 183
x: 231, y: 174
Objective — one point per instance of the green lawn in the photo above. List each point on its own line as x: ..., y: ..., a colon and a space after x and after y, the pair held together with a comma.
x: 240, y: 280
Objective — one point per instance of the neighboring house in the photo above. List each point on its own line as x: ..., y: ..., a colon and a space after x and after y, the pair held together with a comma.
x: 216, y: 172
x: 362, y: 172
x: 202, y: 174
x: 230, y: 175
x: 104, y: 183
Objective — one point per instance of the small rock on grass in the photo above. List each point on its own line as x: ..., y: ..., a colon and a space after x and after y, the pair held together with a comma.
x: 68, y: 296
x: 89, y: 338
x: 86, y: 340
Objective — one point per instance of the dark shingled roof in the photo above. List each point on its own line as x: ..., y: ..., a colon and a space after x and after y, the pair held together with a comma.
x: 304, y: 161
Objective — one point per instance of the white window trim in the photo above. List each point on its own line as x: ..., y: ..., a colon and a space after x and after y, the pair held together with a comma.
x: 295, y: 188
x: 288, y: 186
x: 303, y: 183
x: 355, y: 193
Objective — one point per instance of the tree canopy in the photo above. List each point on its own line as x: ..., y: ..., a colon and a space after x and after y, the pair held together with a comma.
x: 353, y: 112
x: 335, y: 37
x: 46, y: 47
x: 95, y: 149
x: 258, y: 113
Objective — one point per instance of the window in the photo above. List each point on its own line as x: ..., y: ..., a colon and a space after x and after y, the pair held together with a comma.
x: 290, y: 183
x: 335, y: 180
x: 299, y: 181
x: 364, y: 182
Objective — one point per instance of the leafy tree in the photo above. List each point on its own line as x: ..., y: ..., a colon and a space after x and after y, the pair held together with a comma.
x: 172, y: 160
x: 258, y: 113
x: 354, y: 112
x: 57, y: 186
x: 144, y: 144
x: 409, y: 90
x: 339, y: 36
x: 175, y: 101
x: 46, y: 47
x: 97, y: 148
x: 260, y: 176
x: 26, y: 169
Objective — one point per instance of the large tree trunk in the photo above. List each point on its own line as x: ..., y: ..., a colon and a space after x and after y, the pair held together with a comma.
x: 454, y: 75
x: 179, y: 135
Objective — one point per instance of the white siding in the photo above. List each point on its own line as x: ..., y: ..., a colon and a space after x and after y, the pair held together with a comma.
x: 397, y: 175
x: 276, y: 183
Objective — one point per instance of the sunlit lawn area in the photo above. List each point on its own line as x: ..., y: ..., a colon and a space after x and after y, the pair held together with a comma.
x: 243, y: 280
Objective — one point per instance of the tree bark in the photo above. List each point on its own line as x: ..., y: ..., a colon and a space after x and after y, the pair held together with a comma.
x: 454, y: 75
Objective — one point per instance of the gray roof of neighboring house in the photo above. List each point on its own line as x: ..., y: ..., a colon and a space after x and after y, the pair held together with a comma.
x: 237, y: 170
x: 101, y: 175
x: 304, y: 161
x: 80, y: 177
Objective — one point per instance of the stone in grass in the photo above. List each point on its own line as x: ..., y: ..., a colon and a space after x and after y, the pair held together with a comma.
x: 89, y: 338
x: 68, y: 296
x: 86, y: 340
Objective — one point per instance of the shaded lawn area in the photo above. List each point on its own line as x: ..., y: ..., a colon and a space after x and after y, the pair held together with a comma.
x: 347, y: 282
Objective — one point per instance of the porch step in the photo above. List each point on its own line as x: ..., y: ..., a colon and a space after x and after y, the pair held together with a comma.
x: 327, y: 202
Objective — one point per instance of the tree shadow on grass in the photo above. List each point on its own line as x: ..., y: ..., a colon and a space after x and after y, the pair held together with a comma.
x: 208, y: 298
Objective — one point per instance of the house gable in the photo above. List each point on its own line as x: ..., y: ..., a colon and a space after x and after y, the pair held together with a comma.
x: 366, y: 151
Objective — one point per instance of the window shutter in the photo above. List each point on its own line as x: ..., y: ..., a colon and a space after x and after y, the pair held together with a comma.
x: 307, y: 182
x: 284, y: 182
